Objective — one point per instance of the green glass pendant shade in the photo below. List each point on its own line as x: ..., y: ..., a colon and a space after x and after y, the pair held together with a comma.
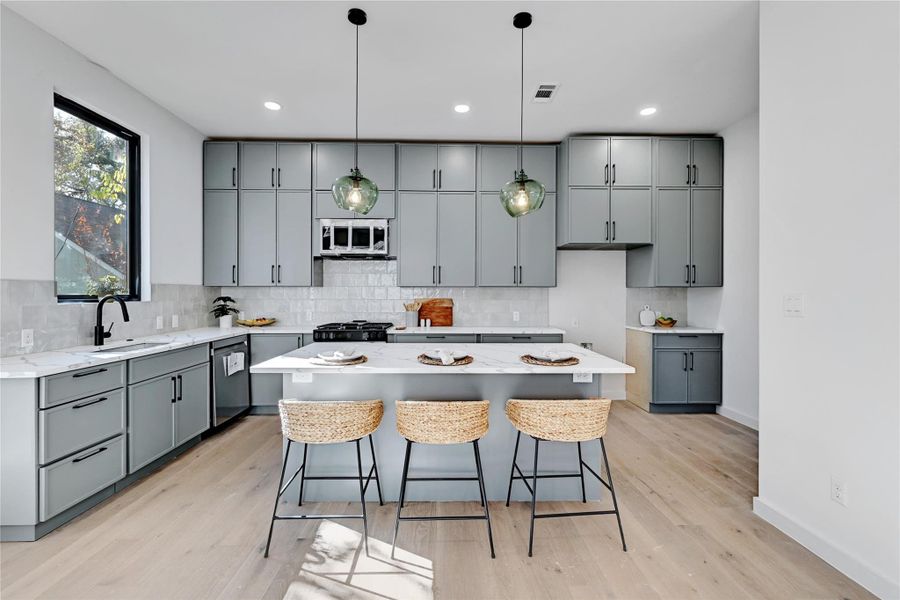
x: 522, y: 195
x: 354, y: 192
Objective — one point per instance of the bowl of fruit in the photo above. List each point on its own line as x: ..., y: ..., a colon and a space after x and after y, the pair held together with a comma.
x: 257, y: 322
x: 665, y: 322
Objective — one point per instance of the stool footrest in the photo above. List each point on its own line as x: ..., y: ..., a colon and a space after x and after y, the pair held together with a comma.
x: 442, y: 479
x: 575, y: 514
x: 311, y: 517
x: 447, y: 518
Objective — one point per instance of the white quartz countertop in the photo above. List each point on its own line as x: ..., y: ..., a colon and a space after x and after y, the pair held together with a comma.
x: 477, y: 330
x: 490, y: 359
x: 42, y: 364
x: 674, y: 330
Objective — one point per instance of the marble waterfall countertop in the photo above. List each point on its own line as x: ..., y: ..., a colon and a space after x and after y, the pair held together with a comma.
x: 477, y: 330
x: 675, y: 330
x: 489, y: 359
x: 42, y: 364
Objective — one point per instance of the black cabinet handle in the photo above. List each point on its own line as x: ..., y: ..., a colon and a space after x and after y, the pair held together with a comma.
x: 607, y: 231
x: 695, y: 174
x: 614, y: 173
x: 233, y: 176
x: 684, y: 361
x: 86, y: 373
x: 180, y: 388
x: 694, y: 278
x: 273, y: 273
x: 273, y: 176
x: 279, y: 176
x: 86, y: 456
x: 433, y: 178
x: 520, y: 274
x: 687, y: 273
x: 233, y: 273
x: 83, y: 404
x: 688, y: 182
x: 692, y: 361
x: 514, y: 274
x: 684, y: 335
x: 606, y: 173
x: 614, y: 225
x: 521, y: 337
x: 174, y: 390
x: 439, y: 273
x: 433, y: 274
x: 435, y: 337
x: 279, y: 273
x: 440, y: 178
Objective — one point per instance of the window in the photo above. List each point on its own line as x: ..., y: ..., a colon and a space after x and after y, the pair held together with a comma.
x: 97, y: 205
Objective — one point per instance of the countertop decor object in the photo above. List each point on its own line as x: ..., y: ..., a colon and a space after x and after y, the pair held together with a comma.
x: 439, y: 310
x: 647, y: 316
x: 345, y: 363
x: 258, y: 322
x: 665, y: 322
x: 523, y: 194
x: 542, y: 362
x: 224, y: 311
x: 457, y: 362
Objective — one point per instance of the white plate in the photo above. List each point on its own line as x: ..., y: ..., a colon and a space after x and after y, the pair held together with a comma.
x: 433, y: 354
x: 554, y: 358
x: 339, y: 356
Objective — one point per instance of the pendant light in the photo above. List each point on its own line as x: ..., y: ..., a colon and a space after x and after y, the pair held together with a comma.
x: 354, y: 192
x: 523, y: 194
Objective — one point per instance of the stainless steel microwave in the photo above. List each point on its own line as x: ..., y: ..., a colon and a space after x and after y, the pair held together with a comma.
x: 353, y: 237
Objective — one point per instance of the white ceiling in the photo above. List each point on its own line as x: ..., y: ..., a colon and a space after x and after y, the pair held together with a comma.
x: 214, y: 63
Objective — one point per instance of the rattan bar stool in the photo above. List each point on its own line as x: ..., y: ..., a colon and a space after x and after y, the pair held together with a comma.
x: 311, y: 422
x: 577, y: 420
x: 443, y: 422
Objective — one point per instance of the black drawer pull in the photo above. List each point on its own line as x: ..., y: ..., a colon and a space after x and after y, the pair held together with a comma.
x: 83, y: 404
x: 86, y: 373
x: 86, y: 456
x: 521, y: 337
x: 435, y: 337
x: 687, y: 336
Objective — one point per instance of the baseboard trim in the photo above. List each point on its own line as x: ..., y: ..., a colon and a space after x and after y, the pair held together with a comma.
x: 850, y: 566
x: 739, y: 417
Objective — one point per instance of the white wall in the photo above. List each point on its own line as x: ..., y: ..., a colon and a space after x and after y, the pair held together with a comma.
x: 589, y: 303
x: 34, y: 65
x: 829, y: 394
x: 734, y: 308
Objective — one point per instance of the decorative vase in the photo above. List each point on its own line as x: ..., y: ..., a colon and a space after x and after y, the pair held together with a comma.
x: 412, y: 318
x: 226, y: 321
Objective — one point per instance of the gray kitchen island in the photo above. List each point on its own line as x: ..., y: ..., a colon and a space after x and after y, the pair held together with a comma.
x: 392, y: 372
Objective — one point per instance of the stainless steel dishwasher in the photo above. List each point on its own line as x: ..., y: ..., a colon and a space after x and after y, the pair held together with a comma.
x: 231, y: 393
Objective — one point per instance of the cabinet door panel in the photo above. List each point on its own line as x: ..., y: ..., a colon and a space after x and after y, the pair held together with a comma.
x: 589, y: 215
x: 673, y: 161
x: 540, y: 164
x: 456, y: 239
x: 670, y: 377
x: 333, y: 160
x: 257, y: 239
x: 630, y: 158
x: 497, y: 243
x: 706, y: 237
x: 192, y: 403
x: 707, y: 159
x: 220, y: 237
x: 220, y: 161
x: 629, y: 213
x: 294, y: 166
x: 265, y: 388
x: 673, y: 246
x: 537, y: 245
x: 417, y: 166
x: 456, y: 168
x: 257, y: 165
x: 705, y: 377
x: 294, y: 236
x: 151, y: 423
x: 588, y: 159
x: 327, y: 209
x: 376, y: 161
x: 417, y: 256
x: 498, y: 166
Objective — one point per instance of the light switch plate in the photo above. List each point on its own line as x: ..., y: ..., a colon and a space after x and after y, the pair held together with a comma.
x: 515, y: 316
x: 159, y: 322
x: 794, y: 305
x: 174, y: 321
x: 582, y: 377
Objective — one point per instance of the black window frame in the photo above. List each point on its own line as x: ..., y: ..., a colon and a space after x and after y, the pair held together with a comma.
x: 133, y: 212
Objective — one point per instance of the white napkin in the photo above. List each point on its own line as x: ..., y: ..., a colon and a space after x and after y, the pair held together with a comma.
x: 445, y: 356
x: 234, y: 363
x: 552, y: 355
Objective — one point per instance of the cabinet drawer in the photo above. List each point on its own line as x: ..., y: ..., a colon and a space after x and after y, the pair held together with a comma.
x: 677, y: 340
x: 153, y: 366
x: 428, y: 338
x: 70, y: 427
x: 537, y: 338
x: 72, y: 385
x: 69, y: 481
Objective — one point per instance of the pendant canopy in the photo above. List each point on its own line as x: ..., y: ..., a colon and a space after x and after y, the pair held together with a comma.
x: 523, y: 194
x: 355, y: 192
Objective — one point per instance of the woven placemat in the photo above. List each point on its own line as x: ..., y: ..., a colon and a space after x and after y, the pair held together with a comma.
x: 349, y: 363
x: 531, y: 360
x: 426, y: 360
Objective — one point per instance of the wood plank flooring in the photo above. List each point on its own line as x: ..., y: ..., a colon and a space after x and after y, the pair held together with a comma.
x: 197, y: 528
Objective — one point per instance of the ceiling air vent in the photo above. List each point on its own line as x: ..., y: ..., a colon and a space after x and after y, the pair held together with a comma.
x: 545, y: 92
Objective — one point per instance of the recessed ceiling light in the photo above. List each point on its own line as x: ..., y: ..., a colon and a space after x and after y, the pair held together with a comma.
x: 272, y: 105
x: 461, y: 108
x: 646, y: 112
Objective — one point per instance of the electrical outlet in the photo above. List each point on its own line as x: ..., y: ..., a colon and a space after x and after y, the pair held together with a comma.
x: 309, y: 316
x: 838, y: 491
x: 27, y: 338
x: 515, y: 316
x: 174, y: 321
x: 794, y: 305
x: 582, y: 377
x: 159, y: 322
x: 574, y: 322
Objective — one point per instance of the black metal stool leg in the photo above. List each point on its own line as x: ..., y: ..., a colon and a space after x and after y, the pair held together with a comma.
x: 302, y: 474
x: 402, y: 495
x: 375, y: 467
x: 512, y: 469
x: 284, y: 461
x: 487, y: 510
x: 581, y: 469
x: 362, y: 497
x: 537, y: 443
x: 612, y: 490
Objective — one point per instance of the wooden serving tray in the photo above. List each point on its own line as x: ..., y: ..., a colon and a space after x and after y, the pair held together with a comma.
x: 254, y: 322
x: 439, y: 310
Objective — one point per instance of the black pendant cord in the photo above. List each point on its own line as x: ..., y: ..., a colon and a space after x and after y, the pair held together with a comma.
x: 356, y: 131
x: 522, y: 100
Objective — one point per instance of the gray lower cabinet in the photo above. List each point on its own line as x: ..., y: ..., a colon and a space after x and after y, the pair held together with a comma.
x: 442, y: 338
x: 151, y: 418
x: 438, y: 167
x: 524, y: 338
x: 67, y: 428
x: 670, y: 377
x: 265, y: 389
x: 220, y: 237
x: 437, y: 239
x: 220, y: 165
x: 516, y: 251
x: 192, y: 403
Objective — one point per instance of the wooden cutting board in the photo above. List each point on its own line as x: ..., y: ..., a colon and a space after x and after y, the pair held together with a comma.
x: 439, y: 310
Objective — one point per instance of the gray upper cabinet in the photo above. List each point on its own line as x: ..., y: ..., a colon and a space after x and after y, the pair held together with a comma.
x: 335, y: 159
x: 327, y: 209
x: 446, y: 167
x: 220, y: 237
x: 706, y: 164
x: 258, y: 165
x: 437, y: 239
x: 257, y: 241
x: 191, y: 403
x: 294, y: 238
x: 456, y: 240
x: 673, y: 237
x: 498, y: 166
x: 630, y: 216
x: 537, y: 246
x: 294, y: 166
x: 417, y: 260
x: 706, y: 237
x: 498, y: 240
x: 220, y: 165
x: 630, y: 162
x: 588, y: 161
x: 587, y: 215
x: 673, y: 162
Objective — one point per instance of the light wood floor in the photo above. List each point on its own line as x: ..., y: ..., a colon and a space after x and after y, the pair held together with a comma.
x: 197, y: 529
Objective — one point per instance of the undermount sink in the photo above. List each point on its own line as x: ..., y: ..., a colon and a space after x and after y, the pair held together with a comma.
x: 128, y: 348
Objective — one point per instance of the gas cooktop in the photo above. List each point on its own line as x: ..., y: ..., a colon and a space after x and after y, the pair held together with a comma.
x: 355, y: 331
